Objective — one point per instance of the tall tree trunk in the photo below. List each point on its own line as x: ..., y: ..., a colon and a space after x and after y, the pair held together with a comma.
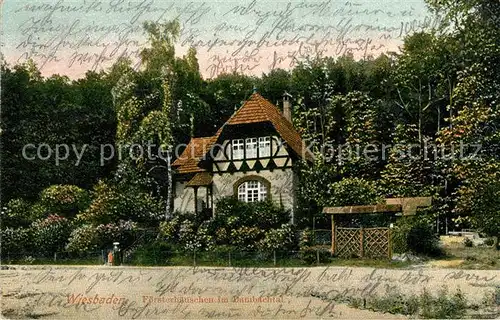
x: 169, y: 191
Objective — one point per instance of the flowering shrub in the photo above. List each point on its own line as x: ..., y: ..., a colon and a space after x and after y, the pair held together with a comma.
x: 16, y: 214
x: 282, y: 239
x: 235, y: 214
x: 90, y: 238
x: 186, y: 231
x: 111, y: 204
x: 65, y: 200
x: 246, y: 238
x: 306, y: 238
x: 235, y: 223
x: 15, y: 240
x: 83, y: 239
x: 221, y: 236
x: 51, y: 234
x: 122, y: 231
x: 169, y: 229
x: 204, y: 237
x: 267, y: 215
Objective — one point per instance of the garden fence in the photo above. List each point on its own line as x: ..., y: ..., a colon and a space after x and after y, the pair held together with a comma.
x: 179, y: 258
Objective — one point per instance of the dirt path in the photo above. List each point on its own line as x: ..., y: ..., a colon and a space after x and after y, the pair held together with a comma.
x: 83, y: 292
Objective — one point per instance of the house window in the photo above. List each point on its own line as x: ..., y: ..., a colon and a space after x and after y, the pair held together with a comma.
x: 238, y: 147
x: 264, y: 147
x: 252, y: 191
x: 251, y: 146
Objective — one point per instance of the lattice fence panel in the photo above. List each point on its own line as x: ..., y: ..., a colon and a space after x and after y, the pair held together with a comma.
x: 347, y: 242
x: 376, y: 242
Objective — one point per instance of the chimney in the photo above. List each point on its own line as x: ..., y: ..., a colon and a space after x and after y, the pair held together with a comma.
x: 287, y: 106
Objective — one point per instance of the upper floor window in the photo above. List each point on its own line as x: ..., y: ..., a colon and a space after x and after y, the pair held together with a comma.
x: 264, y: 146
x: 252, y: 191
x: 251, y: 147
x: 238, y: 146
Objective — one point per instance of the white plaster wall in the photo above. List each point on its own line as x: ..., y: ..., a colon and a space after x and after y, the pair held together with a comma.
x: 283, y: 183
x: 184, y: 197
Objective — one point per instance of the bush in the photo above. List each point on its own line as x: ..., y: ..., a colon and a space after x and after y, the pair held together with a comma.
x: 83, y: 239
x: 234, y: 214
x: 309, y: 254
x: 92, y: 238
x: 111, y: 204
x: 415, y: 236
x: 235, y: 223
x: 19, y: 213
x: 468, y: 243
x: 425, y: 305
x: 169, y: 230
x: 443, y: 306
x: 64, y: 200
x: 246, y: 238
x: 51, y: 234
x: 267, y: 215
x: 122, y: 231
x: 155, y: 253
x: 489, y: 242
x: 230, y: 206
x: 282, y: 239
x: 15, y: 241
x: 306, y: 238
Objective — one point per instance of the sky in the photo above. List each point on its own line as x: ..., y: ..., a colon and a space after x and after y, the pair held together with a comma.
x: 69, y: 37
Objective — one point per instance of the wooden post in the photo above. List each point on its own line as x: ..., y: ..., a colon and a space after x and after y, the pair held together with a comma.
x: 274, y: 257
x: 333, y: 234
x: 389, y: 246
x: 361, y: 249
x: 206, y: 197
x: 195, y: 200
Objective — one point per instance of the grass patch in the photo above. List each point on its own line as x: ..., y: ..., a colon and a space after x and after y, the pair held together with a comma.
x: 482, y: 258
x: 440, y: 306
x: 50, y: 261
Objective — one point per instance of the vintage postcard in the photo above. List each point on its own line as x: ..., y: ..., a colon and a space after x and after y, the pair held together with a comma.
x: 250, y: 159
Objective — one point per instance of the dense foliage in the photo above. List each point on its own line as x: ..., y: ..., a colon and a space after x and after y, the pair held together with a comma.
x: 419, y: 114
x: 241, y: 226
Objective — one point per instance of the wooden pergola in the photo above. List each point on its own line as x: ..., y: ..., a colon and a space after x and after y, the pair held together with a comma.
x: 405, y: 206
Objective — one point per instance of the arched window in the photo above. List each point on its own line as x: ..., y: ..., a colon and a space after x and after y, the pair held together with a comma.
x: 252, y: 191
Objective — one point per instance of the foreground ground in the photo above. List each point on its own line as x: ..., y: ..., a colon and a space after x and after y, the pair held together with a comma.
x: 99, y: 292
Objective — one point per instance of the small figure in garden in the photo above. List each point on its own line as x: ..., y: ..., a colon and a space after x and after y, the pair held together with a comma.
x: 116, y: 254
x: 110, y: 258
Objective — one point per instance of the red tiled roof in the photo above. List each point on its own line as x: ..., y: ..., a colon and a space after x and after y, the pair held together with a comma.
x: 258, y: 109
x: 194, y: 152
x: 200, y: 179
